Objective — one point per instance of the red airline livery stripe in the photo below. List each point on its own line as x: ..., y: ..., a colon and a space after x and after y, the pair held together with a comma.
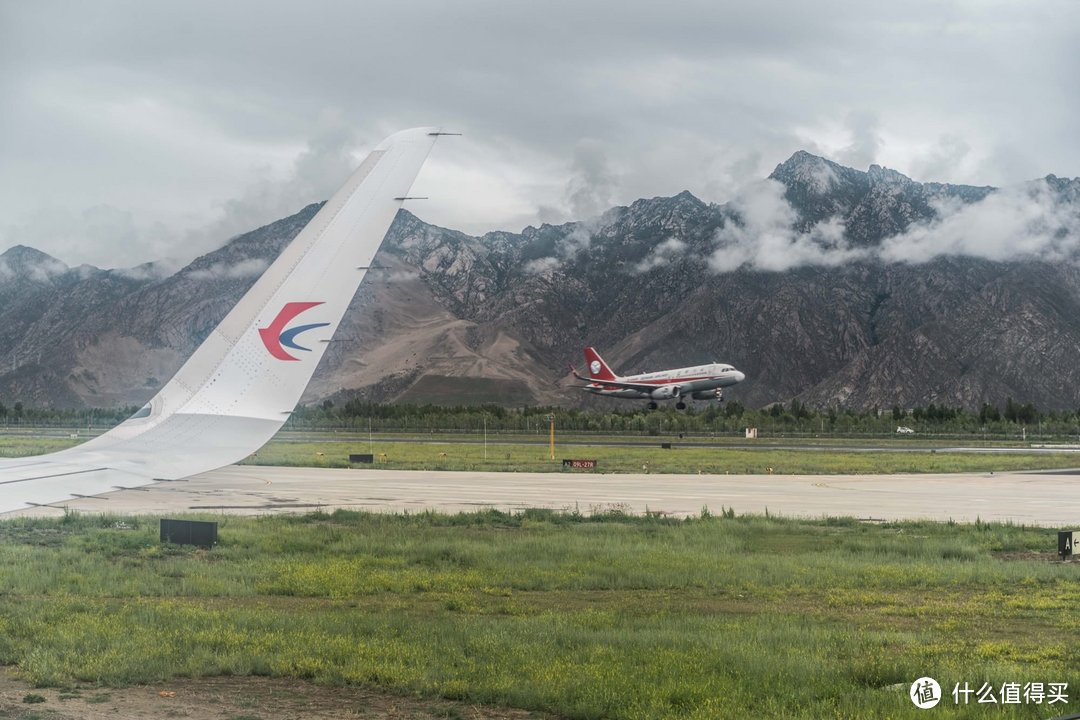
x: 669, y: 381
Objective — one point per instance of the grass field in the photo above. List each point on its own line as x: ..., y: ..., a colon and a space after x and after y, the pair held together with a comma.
x: 650, y: 458
x: 647, y: 456
x: 586, y: 617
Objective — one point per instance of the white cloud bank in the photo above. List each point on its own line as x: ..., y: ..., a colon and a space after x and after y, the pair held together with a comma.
x: 1020, y: 223
x: 662, y: 254
x: 1029, y: 222
x: 224, y: 271
x: 768, y: 240
x: 40, y: 272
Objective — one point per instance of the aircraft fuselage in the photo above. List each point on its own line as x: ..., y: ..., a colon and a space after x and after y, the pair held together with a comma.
x: 681, y: 382
x: 701, y: 382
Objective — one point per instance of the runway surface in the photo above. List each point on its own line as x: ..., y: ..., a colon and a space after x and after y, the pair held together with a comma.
x: 698, y: 442
x: 1035, y: 498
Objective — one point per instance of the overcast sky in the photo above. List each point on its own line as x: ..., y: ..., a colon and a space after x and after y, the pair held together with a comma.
x: 133, y: 130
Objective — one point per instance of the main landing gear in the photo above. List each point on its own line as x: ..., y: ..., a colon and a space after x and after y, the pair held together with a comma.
x: 680, y: 405
x: 653, y: 406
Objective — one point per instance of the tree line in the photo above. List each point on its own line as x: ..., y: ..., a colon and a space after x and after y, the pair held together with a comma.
x: 729, y: 418
x: 1013, y: 420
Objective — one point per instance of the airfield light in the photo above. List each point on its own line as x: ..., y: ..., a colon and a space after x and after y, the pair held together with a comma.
x: 551, y: 419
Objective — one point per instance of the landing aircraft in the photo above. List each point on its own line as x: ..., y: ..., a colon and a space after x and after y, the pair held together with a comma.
x: 703, y: 382
x: 243, y: 382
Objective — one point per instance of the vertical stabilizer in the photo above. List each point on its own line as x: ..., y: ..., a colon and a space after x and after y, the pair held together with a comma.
x: 598, y: 369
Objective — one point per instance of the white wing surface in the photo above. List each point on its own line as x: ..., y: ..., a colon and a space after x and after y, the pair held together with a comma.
x: 241, y: 384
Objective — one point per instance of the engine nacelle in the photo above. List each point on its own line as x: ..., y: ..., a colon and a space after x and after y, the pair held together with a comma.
x: 716, y: 394
x: 665, y: 392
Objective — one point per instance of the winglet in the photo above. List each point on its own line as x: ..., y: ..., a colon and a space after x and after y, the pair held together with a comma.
x: 226, y: 401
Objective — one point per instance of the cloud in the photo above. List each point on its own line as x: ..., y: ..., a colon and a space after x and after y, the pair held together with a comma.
x: 589, y: 192
x: 398, y: 276
x: 865, y: 140
x: 169, y: 110
x: 591, y: 188
x: 662, y: 254
x: 567, y: 247
x: 75, y: 236
x: 1030, y: 222
x: 225, y: 271
x: 539, y: 266
x: 149, y: 271
x: 941, y: 159
x: 316, y: 173
x: 159, y: 110
x: 113, y: 234
x: 764, y: 236
x: 42, y: 271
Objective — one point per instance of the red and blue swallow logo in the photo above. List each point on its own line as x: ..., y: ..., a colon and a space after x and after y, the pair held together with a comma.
x: 276, y: 338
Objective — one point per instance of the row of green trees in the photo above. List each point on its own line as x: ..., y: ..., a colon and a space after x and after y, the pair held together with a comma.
x: 731, y: 417
x: 18, y: 414
x: 1014, y: 420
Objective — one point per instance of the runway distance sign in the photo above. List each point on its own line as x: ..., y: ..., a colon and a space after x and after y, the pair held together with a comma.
x: 579, y: 464
x: 1067, y: 543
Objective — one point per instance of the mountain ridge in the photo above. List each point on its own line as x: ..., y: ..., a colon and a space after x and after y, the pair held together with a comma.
x: 451, y: 313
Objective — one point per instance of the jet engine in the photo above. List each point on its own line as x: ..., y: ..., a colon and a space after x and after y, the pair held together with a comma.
x: 716, y: 394
x: 665, y: 392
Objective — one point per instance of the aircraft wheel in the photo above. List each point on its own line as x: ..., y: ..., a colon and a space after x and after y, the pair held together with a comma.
x: 653, y: 406
x: 680, y: 406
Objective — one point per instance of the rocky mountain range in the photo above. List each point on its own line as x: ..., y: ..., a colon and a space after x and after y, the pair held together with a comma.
x: 823, y: 283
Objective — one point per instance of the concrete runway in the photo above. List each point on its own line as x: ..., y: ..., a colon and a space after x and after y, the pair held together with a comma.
x: 1049, y: 498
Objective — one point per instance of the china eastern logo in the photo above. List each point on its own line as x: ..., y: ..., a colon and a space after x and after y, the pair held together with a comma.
x: 276, y: 338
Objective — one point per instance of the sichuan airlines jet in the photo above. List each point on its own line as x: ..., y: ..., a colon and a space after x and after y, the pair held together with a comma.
x: 704, y: 382
x: 243, y: 382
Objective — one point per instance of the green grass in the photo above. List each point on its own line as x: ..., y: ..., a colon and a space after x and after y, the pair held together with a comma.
x: 645, y: 455
x: 19, y: 446
x: 605, y: 616
x: 649, y: 458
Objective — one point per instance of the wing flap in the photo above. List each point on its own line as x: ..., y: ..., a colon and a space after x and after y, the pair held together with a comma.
x: 642, y: 387
x: 47, y: 483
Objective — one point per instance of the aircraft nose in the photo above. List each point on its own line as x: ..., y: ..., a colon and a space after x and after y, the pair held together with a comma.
x: 739, y: 376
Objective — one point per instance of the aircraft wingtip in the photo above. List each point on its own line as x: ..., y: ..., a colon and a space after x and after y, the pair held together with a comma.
x: 411, y: 135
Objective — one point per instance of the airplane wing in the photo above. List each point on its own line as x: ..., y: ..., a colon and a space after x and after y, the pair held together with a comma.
x: 45, y: 481
x: 242, y: 383
x: 620, y: 385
